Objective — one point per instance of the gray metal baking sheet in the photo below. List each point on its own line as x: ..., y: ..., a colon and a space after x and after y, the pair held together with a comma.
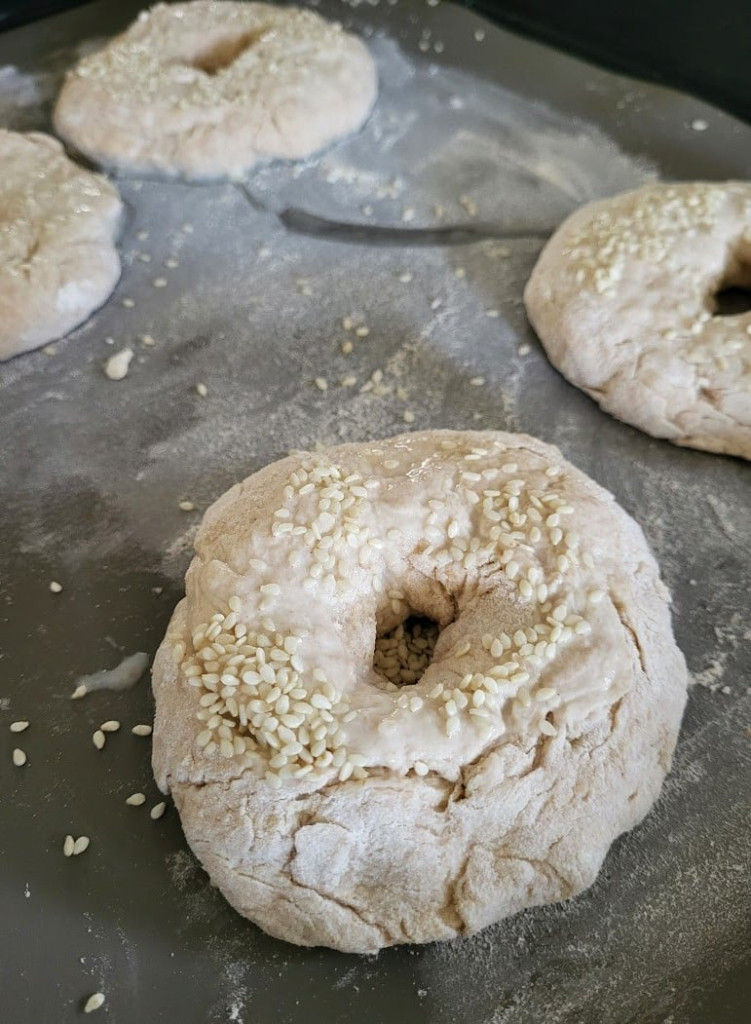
x: 93, y: 471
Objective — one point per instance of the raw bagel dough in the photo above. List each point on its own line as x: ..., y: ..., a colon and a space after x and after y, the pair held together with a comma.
x: 542, y: 729
x: 58, y: 261
x: 622, y: 298
x: 207, y: 89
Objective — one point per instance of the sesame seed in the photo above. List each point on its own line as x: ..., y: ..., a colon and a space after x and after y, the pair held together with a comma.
x: 409, y: 417
x: 321, y: 383
x: 110, y: 726
x: 202, y: 390
x: 68, y: 846
x: 186, y: 506
x: 21, y: 726
x: 94, y: 1002
x: 136, y: 799
x: 421, y: 768
x: 99, y: 739
x: 157, y: 811
x: 55, y: 587
x: 19, y: 757
x: 80, y: 691
x: 493, y: 314
x: 347, y: 347
x: 80, y: 845
x: 477, y: 382
x: 160, y: 282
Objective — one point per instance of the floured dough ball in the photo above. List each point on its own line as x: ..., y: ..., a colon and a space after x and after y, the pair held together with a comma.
x: 58, y: 223
x: 626, y: 298
x: 415, y: 686
x: 207, y: 89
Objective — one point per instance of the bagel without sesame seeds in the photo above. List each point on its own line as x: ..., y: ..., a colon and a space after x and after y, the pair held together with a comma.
x: 415, y: 685
x: 58, y: 224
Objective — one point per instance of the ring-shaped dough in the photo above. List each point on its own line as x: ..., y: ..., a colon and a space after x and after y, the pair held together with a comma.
x: 333, y: 808
x: 623, y: 299
x: 207, y: 89
x: 58, y: 224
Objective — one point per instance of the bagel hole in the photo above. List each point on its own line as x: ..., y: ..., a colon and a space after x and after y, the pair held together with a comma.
x: 403, y: 653
x: 224, y: 52
x: 732, y: 301
x: 732, y: 296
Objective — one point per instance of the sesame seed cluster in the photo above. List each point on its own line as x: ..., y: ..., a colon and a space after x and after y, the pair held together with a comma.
x: 253, y: 697
x: 646, y: 230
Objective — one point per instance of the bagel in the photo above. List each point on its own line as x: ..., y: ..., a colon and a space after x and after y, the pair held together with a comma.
x: 207, y: 89
x: 58, y: 223
x: 415, y: 685
x: 623, y: 298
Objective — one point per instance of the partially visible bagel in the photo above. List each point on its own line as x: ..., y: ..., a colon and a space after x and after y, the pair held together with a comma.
x: 206, y: 89
x: 338, y: 804
x: 624, y: 299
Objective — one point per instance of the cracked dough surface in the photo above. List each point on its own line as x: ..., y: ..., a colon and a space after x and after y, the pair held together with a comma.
x: 623, y: 300
x: 58, y: 261
x: 207, y: 89
x: 447, y: 829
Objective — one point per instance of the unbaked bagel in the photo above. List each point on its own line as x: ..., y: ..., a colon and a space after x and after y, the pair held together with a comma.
x: 58, y: 260
x: 623, y: 298
x: 207, y: 89
x: 345, y: 784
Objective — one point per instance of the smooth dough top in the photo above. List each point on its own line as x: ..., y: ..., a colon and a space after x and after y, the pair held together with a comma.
x: 623, y: 299
x: 58, y: 223
x: 334, y: 807
x: 207, y: 89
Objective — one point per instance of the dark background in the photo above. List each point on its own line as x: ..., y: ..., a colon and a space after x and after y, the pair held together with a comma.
x: 701, y: 46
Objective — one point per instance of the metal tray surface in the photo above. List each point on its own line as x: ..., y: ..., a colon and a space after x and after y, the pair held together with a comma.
x: 93, y: 471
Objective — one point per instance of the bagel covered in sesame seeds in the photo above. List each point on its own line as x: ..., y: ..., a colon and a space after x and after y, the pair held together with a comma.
x: 625, y: 300
x: 415, y: 685
x: 209, y: 88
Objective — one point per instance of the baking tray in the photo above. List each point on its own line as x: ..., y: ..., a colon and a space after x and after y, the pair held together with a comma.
x: 93, y: 471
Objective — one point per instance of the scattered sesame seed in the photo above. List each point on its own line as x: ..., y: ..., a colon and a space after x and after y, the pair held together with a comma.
x: 321, y: 383
x: 524, y: 350
x: 80, y: 691
x: 144, y: 257
x: 136, y: 799
x: 479, y: 35
x: 128, y: 303
x: 409, y: 417
x: 99, y: 739
x: 94, y: 1002
x: 699, y: 124
x: 202, y: 390
x: 171, y: 263
x: 111, y: 726
x: 160, y: 282
x: 157, y: 811
x: 362, y: 331
x: 493, y: 313
x: 347, y: 347
x: 141, y: 730
x: 49, y: 350
x: 56, y: 587
x: 142, y: 236
x: 147, y: 341
x: 19, y: 726
x: 186, y: 506
x: 117, y: 366
x: 405, y: 277
x: 80, y: 845
x: 68, y: 845
x: 19, y: 757
x: 421, y: 768
x: 460, y: 272
x: 477, y: 382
